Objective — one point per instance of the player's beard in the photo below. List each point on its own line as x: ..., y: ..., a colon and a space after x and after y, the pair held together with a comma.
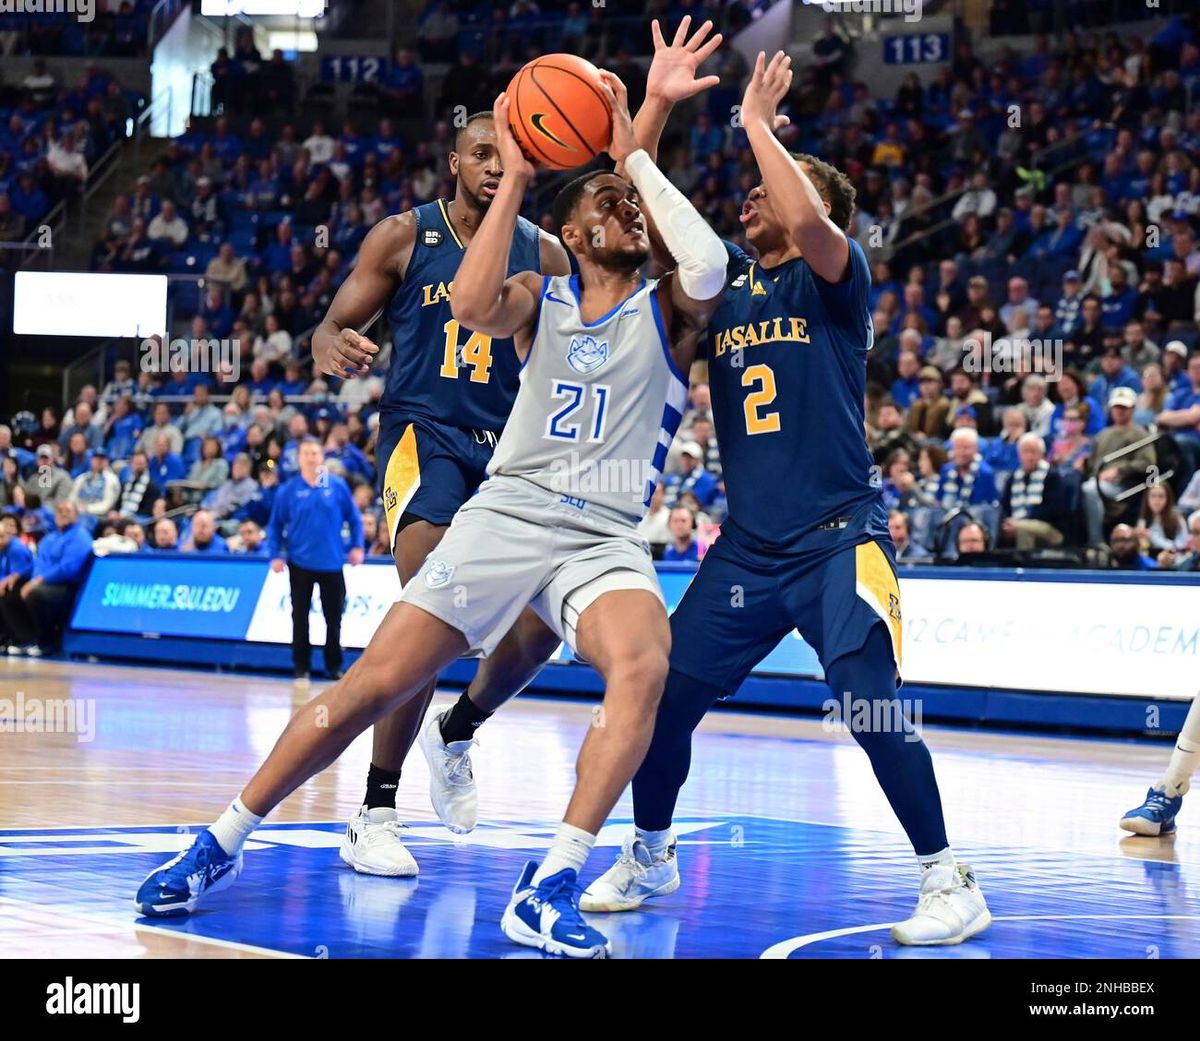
x: 620, y: 260
x: 479, y: 203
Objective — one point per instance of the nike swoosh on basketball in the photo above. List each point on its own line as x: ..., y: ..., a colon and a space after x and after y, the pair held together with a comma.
x: 536, y: 121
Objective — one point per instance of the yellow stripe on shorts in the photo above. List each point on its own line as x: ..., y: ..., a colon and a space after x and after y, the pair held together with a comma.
x: 401, y: 479
x: 875, y: 582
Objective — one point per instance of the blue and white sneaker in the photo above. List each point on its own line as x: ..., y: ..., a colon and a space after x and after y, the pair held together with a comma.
x: 1156, y: 816
x: 178, y: 886
x: 547, y: 917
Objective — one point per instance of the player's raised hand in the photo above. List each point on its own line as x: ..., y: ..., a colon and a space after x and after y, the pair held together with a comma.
x: 513, y: 159
x: 769, y: 84
x: 623, y: 139
x: 672, y: 75
x: 348, y: 356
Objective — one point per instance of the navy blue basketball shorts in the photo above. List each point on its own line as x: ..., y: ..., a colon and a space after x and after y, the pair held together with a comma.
x: 427, y: 470
x: 744, y: 601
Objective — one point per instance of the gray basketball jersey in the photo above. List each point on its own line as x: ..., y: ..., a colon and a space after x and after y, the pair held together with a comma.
x: 599, y: 402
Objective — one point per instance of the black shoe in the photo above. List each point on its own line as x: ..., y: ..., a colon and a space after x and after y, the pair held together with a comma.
x: 334, y: 674
x: 299, y: 674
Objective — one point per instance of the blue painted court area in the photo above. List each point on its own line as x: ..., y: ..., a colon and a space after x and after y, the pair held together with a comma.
x: 752, y: 887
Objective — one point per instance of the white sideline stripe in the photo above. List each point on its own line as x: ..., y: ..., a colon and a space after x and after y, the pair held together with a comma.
x: 786, y: 947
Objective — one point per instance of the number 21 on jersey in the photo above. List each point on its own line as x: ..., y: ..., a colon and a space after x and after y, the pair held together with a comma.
x: 762, y: 379
x: 565, y: 424
x: 475, y: 354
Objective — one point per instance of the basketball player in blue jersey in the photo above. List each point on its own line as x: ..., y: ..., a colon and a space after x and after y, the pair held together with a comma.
x: 806, y: 542
x: 448, y: 394
x: 554, y: 527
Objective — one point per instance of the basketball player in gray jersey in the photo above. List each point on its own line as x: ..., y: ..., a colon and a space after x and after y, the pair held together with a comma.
x: 554, y: 526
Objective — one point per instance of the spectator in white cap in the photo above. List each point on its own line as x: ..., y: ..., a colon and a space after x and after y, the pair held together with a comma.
x: 1113, y: 476
x: 1174, y: 363
x: 49, y: 482
x: 692, y: 476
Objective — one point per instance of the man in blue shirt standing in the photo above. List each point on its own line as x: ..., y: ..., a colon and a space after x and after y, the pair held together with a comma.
x: 306, y: 524
x: 16, y: 566
x: 34, y: 616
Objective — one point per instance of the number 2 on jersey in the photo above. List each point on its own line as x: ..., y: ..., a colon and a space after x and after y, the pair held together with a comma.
x: 762, y: 378
x: 476, y: 353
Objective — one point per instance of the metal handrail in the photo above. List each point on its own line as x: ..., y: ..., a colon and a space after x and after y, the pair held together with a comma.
x: 142, y: 122
x: 942, y: 200
x: 106, y: 165
x: 162, y: 17
x: 55, y: 219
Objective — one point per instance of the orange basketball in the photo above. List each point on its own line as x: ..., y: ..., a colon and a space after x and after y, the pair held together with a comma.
x: 558, y: 111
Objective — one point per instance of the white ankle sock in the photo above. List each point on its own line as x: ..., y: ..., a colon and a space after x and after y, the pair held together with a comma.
x: 655, y: 841
x: 943, y: 858
x: 233, y: 827
x: 570, y: 850
x: 1177, y: 779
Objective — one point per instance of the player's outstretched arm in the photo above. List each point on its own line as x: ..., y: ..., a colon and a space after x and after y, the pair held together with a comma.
x: 700, y: 259
x: 338, y: 348
x: 794, y: 196
x: 671, y: 79
x: 483, y: 298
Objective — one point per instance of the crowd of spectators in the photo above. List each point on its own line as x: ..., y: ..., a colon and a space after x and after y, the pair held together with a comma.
x: 118, y: 29
x: 1071, y: 226
x: 51, y: 135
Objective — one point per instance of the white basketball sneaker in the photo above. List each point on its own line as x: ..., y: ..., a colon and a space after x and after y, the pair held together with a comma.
x: 372, y: 845
x: 451, y: 783
x: 633, y: 879
x: 950, y: 909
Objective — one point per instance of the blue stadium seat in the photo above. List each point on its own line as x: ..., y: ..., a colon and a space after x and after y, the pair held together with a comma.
x: 185, y: 299
x: 243, y: 240
x: 923, y: 522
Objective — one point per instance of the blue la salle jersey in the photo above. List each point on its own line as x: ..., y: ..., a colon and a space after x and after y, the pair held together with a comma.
x: 787, y: 365
x: 440, y: 370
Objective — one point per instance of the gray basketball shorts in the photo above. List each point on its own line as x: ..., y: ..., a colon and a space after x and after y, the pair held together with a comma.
x: 515, y: 544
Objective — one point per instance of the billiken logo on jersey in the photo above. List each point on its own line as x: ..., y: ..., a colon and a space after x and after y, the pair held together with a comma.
x: 753, y: 334
x: 585, y: 355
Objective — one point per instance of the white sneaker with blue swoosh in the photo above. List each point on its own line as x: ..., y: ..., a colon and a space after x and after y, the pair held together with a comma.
x: 546, y: 916
x: 201, y: 870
